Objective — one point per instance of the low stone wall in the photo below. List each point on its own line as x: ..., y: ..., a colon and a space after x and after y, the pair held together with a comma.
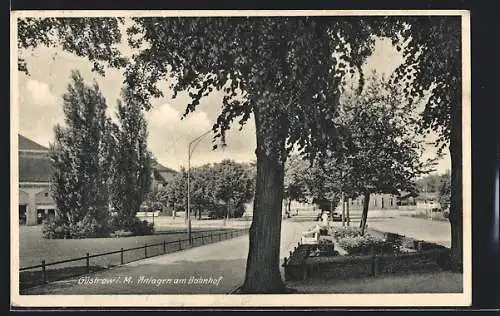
x: 339, y: 267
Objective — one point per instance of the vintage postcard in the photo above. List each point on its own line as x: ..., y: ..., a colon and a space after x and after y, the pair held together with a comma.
x: 240, y: 158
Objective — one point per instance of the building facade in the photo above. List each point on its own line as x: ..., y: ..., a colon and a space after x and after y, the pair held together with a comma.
x: 35, y: 169
x: 377, y: 201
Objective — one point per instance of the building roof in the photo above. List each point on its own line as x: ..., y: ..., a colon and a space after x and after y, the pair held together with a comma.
x: 34, y: 168
x: 162, y: 173
x: 161, y: 168
x: 27, y: 144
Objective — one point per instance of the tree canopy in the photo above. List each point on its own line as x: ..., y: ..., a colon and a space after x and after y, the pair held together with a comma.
x: 214, y: 189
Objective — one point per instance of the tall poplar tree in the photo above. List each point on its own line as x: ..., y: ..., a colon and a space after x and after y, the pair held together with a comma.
x: 81, y: 156
x: 132, y: 163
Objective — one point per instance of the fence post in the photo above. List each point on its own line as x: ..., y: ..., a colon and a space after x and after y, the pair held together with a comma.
x: 164, y: 246
x: 285, y: 262
x: 145, y: 250
x: 121, y: 256
x: 375, y: 265
x: 44, y: 272
x: 202, y: 239
x: 87, y: 264
x: 180, y: 245
x: 211, y: 236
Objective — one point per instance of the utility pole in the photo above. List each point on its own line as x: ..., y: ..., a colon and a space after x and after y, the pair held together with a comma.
x: 193, y: 143
x: 343, y: 209
x: 347, y: 213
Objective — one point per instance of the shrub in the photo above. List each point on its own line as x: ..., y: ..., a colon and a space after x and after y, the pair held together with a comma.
x: 367, y: 244
x: 342, y: 232
x: 133, y: 225
x: 57, y: 228
x: 141, y: 228
x: 238, y: 211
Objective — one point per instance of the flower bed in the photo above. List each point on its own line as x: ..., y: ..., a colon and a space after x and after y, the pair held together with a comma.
x: 367, y: 255
x: 342, y: 232
x: 351, y: 240
x: 367, y: 244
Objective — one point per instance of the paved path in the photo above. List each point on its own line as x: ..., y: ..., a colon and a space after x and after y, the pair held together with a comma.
x: 219, y: 266
x: 418, y: 228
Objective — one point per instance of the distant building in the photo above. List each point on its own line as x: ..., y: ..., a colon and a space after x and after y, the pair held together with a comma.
x: 35, y: 169
x: 161, y: 176
x: 427, y: 200
x: 377, y: 201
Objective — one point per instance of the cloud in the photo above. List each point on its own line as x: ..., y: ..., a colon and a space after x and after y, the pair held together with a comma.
x: 39, y: 110
x: 40, y: 93
x: 169, y: 137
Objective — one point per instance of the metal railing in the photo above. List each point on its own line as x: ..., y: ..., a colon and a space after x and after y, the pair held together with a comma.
x: 174, y: 245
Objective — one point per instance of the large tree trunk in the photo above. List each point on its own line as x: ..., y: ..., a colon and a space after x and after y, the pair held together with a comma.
x: 262, y: 269
x: 456, y: 217
x: 364, y: 215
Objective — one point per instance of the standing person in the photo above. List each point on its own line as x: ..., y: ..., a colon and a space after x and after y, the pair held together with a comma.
x: 324, y: 218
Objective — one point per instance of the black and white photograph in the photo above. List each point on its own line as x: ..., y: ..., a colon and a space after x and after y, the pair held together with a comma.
x: 240, y: 158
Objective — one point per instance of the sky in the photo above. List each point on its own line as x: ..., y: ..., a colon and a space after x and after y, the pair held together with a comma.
x: 40, y: 108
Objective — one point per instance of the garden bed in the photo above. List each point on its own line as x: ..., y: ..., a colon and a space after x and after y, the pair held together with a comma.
x: 365, y: 256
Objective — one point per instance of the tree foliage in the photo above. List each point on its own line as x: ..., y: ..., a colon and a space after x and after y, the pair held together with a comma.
x: 378, y: 148
x: 175, y: 192
x: 231, y: 183
x: 214, y: 187
x: 381, y: 152
x: 295, y: 181
x: 433, y: 63
x: 431, y: 182
x: 444, y: 190
x: 93, y: 38
x: 258, y: 63
x: 132, y: 168
x: 81, y: 156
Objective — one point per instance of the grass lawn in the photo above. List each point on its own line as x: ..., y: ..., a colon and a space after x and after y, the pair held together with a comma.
x: 33, y: 248
x: 434, y: 282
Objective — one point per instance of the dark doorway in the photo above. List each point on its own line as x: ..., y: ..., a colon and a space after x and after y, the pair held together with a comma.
x: 22, y: 214
x: 40, y: 216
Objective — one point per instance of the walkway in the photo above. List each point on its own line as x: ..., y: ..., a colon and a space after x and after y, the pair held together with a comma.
x: 211, y: 269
